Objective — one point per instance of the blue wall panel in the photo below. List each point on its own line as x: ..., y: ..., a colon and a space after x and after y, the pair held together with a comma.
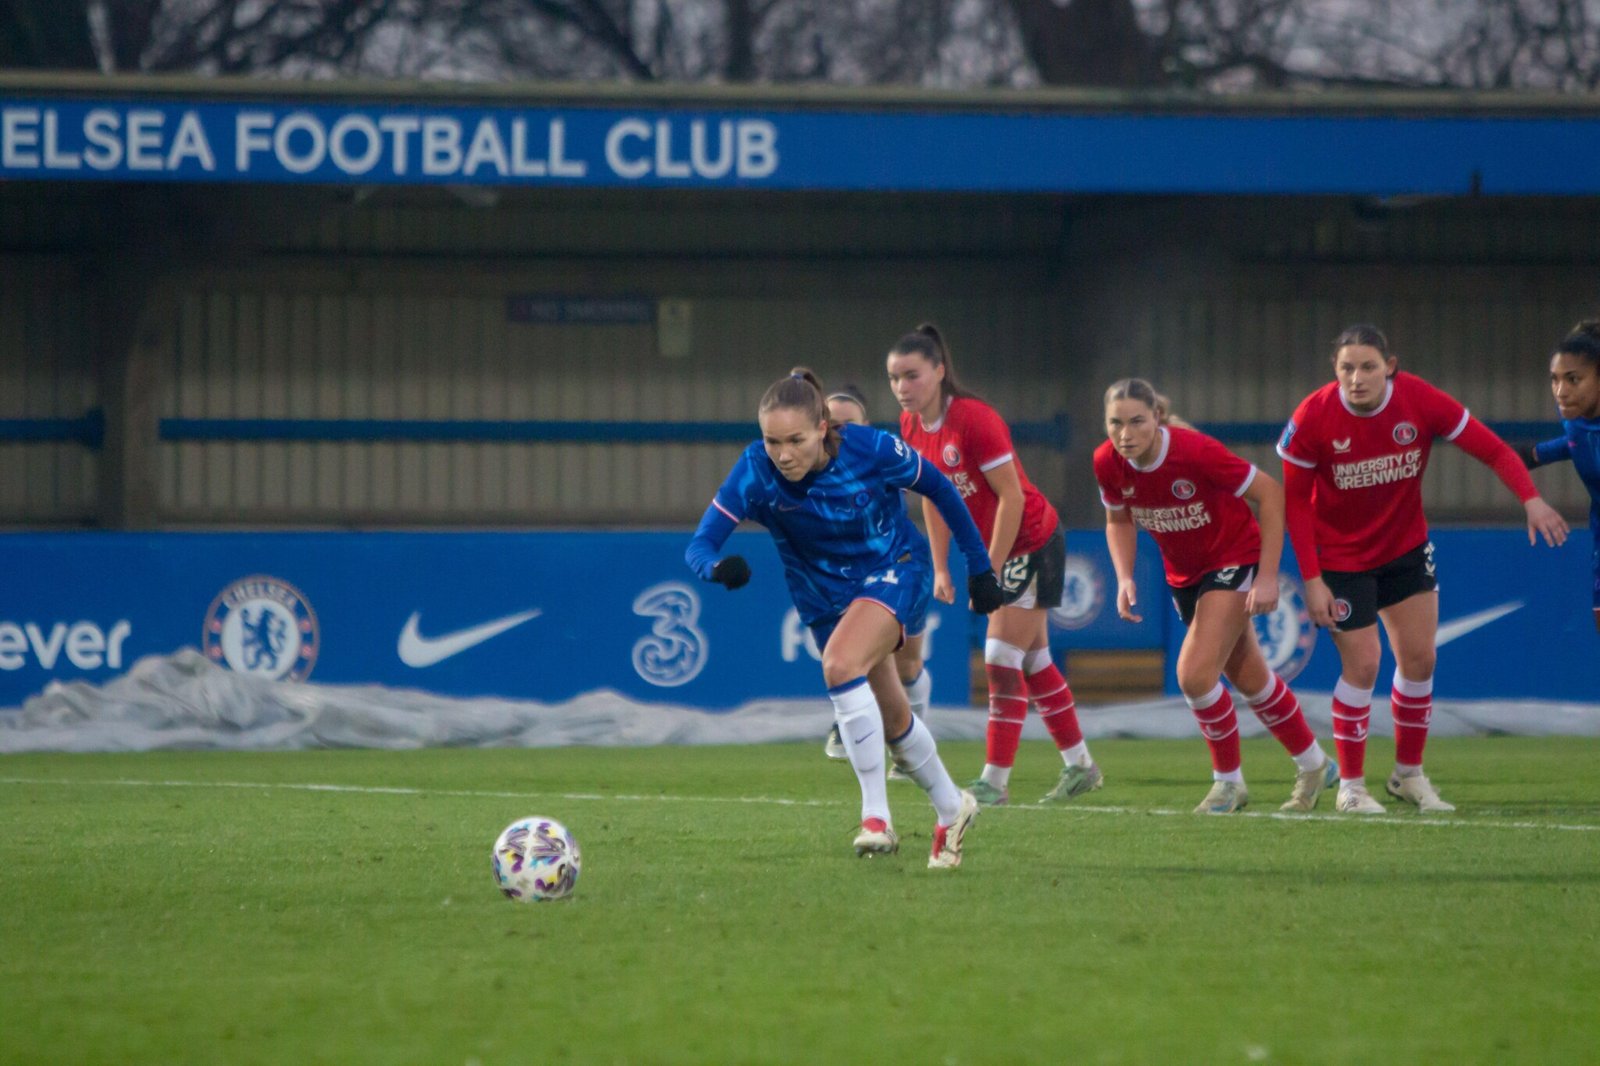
x: 547, y: 616
x: 1514, y: 623
x: 615, y: 611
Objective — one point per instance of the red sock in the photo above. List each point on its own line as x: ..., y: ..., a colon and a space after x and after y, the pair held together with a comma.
x: 1008, y: 706
x: 1352, y: 708
x: 1220, y: 726
x: 1412, y: 713
x: 1280, y: 712
x: 1057, y: 708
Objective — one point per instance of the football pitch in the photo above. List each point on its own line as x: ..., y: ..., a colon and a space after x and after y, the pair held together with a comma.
x: 338, y: 907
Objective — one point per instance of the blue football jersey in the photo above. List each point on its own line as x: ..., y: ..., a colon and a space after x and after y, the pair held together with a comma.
x: 1581, y: 444
x: 836, y: 525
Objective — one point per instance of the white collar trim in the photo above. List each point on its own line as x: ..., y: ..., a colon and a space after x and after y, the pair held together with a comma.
x: 1388, y: 393
x: 1161, y: 455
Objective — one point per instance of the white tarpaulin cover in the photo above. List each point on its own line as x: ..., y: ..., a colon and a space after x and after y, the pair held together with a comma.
x: 184, y: 701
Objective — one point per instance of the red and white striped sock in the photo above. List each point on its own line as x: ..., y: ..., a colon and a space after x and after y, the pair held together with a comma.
x: 1280, y: 712
x: 1057, y: 709
x: 1008, y: 707
x: 1220, y: 726
x: 1352, y: 709
x: 1411, y: 703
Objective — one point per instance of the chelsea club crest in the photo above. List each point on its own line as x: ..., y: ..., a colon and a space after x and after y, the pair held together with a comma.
x: 1083, y: 593
x: 1287, y: 636
x: 262, y: 626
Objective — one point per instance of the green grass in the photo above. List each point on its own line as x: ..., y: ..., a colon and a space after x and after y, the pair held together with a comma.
x: 185, y: 920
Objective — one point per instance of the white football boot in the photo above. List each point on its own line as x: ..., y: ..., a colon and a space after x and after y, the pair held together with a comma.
x: 1225, y: 797
x: 946, y: 853
x: 1355, y: 799
x: 876, y: 838
x: 1418, y: 791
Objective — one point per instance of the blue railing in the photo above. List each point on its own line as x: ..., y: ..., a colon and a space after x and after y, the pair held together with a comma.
x: 89, y: 430
x: 1053, y: 433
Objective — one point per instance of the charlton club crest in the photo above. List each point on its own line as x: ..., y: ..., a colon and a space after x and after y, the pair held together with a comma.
x: 1405, y: 433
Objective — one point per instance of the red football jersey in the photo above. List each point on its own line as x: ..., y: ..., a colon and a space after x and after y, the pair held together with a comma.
x: 1191, y: 499
x: 970, y: 439
x: 1367, y: 500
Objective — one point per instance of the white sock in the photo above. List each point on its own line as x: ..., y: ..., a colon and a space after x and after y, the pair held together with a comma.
x: 918, y: 755
x: 861, y: 728
x: 1236, y: 776
x: 998, y: 776
x: 1313, y: 758
x: 1077, y: 755
x: 919, y: 692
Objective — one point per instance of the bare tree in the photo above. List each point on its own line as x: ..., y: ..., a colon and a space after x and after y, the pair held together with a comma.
x: 1207, y: 45
x: 37, y: 33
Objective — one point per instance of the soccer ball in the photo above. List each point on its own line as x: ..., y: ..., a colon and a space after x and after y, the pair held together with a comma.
x: 536, y: 859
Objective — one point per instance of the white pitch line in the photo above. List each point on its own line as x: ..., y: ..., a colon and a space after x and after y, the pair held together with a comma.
x: 776, y: 801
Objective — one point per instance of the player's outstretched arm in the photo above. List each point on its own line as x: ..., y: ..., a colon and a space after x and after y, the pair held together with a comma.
x: 983, y: 587
x: 1545, y: 521
x: 1267, y: 495
x: 1480, y: 442
x: 1122, y: 541
x: 705, y: 547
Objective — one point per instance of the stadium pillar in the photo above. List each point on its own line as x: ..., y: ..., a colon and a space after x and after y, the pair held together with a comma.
x: 128, y: 341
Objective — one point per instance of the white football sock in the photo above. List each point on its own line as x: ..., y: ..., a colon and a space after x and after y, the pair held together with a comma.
x: 861, y: 729
x: 919, y: 692
x: 998, y: 776
x: 918, y: 755
x: 1312, y: 758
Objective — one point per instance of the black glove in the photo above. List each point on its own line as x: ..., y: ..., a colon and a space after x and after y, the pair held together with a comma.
x: 984, y: 592
x: 732, y: 572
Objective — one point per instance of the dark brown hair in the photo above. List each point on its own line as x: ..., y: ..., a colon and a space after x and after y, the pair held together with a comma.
x: 1364, y: 334
x: 800, y: 390
x: 927, y: 342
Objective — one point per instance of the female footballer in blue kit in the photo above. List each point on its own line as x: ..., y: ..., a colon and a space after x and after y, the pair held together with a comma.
x: 861, y: 577
x: 1575, y: 382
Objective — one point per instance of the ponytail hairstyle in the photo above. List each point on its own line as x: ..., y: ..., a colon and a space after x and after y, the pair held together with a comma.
x: 801, y: 391
x: 850, y: 394
x: 1583, y: 342
x: 927, y: 342
x: 1142, y: 391
x: 1368, y: 336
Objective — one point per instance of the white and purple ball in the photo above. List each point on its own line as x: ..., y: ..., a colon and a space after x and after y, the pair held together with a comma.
x: 535, y: 860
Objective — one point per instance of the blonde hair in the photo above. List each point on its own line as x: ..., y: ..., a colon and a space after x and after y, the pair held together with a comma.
x: 1143, y: 392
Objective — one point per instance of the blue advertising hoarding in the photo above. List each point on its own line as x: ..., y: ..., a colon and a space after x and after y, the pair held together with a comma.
x: 1515, y: 622
x: 656, y: 145
x: 535, y: 616
x: 549, y: 616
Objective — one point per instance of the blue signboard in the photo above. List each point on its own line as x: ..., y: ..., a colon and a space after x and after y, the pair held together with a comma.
x: 669, y: 146
x: 549, y: 616
x: 1514, y: 622
x: 536, y: 616
x: 1087, y: 618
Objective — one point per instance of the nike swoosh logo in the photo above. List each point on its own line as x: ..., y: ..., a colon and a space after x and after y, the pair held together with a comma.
x: 1460, y: 627
x: 418, y: 651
